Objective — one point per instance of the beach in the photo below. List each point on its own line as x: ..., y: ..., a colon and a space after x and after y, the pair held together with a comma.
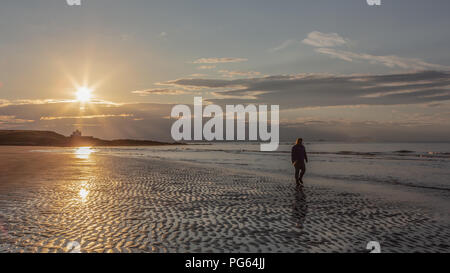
x: 108, y: 203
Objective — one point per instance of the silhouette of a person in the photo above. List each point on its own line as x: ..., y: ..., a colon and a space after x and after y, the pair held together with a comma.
x: 298, y: 158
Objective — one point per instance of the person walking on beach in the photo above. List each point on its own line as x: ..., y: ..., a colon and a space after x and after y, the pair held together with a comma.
x: 298, y: 158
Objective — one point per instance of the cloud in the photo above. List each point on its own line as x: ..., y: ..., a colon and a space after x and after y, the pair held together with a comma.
x: 228, y: 73
x: 29, y: 101
x: 85, y: 117
x: 52, y: 101
x: 206, y: 67
x: 4, y: 102
x: 136, y: 120
x: 219, y: 60
x: 319, y: 39
x: 163, y: 34
x: 316, y: 39
x: 9, y: 120
x: 324, y: 43
x: 391, y: 61
x: 152, y: 121
x: 159, y: 92
x: 283, y: 45
x: 198, y: 75
x: 199, y: 83
x: 311, y: 90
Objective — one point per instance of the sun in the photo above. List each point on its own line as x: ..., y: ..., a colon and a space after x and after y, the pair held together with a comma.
x: 84, y: 94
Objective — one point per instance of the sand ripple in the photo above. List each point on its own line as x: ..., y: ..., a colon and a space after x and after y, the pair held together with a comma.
x: 112, y: 204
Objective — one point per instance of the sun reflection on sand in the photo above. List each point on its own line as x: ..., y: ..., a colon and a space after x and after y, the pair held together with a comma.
x: 83, y: 152
x: 82, y: 189
x: 84, y: 192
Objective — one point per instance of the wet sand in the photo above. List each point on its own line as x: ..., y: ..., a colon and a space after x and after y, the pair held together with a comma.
x: 112, y: 204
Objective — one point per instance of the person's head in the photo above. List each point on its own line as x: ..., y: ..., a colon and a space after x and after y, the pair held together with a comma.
x: 299, y: 141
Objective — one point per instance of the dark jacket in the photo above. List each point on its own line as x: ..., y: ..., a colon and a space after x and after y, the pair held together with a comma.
x: 299, y: 153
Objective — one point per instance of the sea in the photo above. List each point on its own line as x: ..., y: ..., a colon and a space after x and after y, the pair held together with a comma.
x: 418, y: 165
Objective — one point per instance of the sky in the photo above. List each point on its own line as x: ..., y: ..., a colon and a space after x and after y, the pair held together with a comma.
x: 340, y: 70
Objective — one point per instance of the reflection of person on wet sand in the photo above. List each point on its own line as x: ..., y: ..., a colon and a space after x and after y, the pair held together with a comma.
x: 300, y: 207
x: 298, y: 157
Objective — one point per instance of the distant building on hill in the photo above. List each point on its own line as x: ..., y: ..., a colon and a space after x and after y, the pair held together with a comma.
x: 76, y: 133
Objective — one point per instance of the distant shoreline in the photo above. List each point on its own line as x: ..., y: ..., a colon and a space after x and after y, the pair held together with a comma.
x: 53, y: 139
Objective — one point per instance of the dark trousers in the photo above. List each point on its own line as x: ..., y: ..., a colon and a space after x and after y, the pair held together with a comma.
x: 300, y: 169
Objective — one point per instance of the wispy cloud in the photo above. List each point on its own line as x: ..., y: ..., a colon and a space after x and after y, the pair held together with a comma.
x: 284, y: 45
x: 198, y: 75
x: 206, y: 67
x: 391, y: 61
x: 9, y: 120
x: 136, y: 120
x: 152, y: 121
x: 316, y: 39
x: 52, y: 101
x: 325, y: 43
x: 159, y: 92
x: 228, y: 73
x: 319, y: 39
x: 307, y: 90
x: 86, y: 117
x: 219, y: 60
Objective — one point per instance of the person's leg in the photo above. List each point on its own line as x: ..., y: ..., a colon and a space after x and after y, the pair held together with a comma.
x: 302, y: 173
x: 297, y: 170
